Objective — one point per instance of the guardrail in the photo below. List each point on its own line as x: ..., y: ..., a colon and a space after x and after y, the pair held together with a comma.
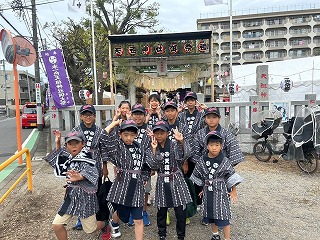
x: 27, y: 172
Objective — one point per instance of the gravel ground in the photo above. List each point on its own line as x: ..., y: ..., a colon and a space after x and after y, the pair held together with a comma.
x: 276, y: 201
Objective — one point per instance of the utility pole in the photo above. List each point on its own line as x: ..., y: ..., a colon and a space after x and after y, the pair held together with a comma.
x: 36, y: 63
x: 5, y: 86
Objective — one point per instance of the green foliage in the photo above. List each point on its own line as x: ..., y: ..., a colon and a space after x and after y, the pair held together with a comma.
x: 118, y: 17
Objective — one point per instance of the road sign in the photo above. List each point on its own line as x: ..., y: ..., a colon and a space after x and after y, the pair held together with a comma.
x: 38, y: 92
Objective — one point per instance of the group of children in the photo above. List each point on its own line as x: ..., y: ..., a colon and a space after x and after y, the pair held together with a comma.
x: 173, y: 141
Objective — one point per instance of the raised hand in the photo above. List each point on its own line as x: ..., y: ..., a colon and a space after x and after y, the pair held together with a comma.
x: 177, y: 135
x: 154, y: 143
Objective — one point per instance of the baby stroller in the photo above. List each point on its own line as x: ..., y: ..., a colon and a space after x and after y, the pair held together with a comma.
x: 305, y: 139
x: 268, y: 122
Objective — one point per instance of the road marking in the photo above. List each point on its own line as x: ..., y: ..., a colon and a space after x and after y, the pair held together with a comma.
x: 28, y: 143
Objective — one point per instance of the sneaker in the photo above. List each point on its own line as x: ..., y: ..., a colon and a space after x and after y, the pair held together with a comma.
x: 162, y: 238
x: 149, y: 200
x: 131, y: 222
x: 146, y: 221
x: 215, y: 237
x: 106, y: 233
x: 78, y: 225
x: 115, y: 229
x: 204, y: 222
x: 168, y: 219
x: 187, y: 221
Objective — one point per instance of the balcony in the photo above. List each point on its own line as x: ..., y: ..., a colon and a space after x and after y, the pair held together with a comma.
x: 253, y: 57
x: 300, y: 20
x: 252, y: 24
x: 300, y: 42
x: 252, y: 34
x: 276, y: 44
x: 276, y: 55
x: 252, y: 46
x: 276, y: 33
x: 299, y: 53
x: 300, y: 31
x: 276, y: 22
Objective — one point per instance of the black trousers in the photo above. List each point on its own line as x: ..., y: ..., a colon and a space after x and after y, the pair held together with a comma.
x: 197, y: 188
x: 180, y: 225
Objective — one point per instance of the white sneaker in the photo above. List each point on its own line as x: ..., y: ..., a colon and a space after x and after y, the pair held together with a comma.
x: 115, y: 229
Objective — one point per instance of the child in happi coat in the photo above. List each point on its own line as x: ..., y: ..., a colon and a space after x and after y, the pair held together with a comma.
x: 171, y: 188
x: 75, y: 163
x: 154, y: 112
x: 215, y: 173
x: 138, y: 114
x: 127, y: 191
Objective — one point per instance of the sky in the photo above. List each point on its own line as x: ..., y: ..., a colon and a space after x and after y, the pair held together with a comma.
x: 174, y: 15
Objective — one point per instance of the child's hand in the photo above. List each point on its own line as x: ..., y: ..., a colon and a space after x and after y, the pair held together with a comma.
x: 154, y: 143
x: 177, y: 135
x: 149, y: 133
x: 73, y: 176
x: 158, y: 110
x: 57, y: 135
x: 233, y: 196
x: 128, y: 115
x: 202, y: 105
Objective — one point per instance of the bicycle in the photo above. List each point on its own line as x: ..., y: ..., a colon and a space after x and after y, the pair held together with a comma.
x: 305, y: 156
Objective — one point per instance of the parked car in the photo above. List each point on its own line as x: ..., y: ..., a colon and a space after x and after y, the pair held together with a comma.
x: 29, y: 115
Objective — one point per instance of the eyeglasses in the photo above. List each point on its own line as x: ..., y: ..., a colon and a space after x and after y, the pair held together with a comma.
x: 89, y: 115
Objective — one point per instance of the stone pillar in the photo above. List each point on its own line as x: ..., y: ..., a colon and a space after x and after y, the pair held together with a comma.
x: 262, y: 82
x: 311, y: 99
x: 254, y: 109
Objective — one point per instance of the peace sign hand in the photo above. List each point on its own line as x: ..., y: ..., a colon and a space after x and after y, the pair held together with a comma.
x: 177, y: 135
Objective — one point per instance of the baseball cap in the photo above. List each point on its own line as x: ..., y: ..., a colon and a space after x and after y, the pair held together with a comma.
x: 74, y: 135
x: 213, y: 135
x: 170, y: 104
x: 190, y: 95
x: 161, y: 125
x: 128, y: 124
x: 87, y: 108
x: 138, y: 108
x: 213, y: 110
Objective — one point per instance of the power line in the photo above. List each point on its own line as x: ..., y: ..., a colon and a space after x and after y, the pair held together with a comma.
x: 29, y: 6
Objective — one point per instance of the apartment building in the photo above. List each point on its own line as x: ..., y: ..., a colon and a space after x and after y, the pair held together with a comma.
x: 27, y: 90
x: 264, y: 37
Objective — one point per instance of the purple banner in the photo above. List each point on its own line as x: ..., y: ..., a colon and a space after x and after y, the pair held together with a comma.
x: 58, y: 78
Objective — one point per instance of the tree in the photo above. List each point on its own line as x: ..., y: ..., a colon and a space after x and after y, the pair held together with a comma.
x: 76, y: 41
x: 120, y: 17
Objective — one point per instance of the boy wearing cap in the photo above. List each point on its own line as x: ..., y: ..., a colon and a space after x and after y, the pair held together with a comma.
x: 138, y: 114
x: 172, y: 118
x: 171, y: 188
x: 215, y: 173
x: 127, y: 191
x: 75, y: 163
x: 95, y: 142
x: 193, y: 118
x: 231, y: 147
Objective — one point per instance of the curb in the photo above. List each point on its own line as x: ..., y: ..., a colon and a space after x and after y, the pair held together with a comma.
x: 30, y: 143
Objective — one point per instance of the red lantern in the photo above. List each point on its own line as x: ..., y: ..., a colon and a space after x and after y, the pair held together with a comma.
x: 187, y: 47
x: 118, y: 51
x: 173, y: 49
x: 132, y: 50
x: 160, y: 49
x: 202, y: 46
x: 146, y: 50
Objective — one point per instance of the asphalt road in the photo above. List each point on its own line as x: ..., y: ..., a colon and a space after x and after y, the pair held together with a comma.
x: 8, y: 137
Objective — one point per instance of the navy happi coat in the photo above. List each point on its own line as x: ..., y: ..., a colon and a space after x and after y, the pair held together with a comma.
x: 216, y: 175
x: 80, y: 199
x: 132, y: 171
x: 171, y: 188
x: 231, y: 147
